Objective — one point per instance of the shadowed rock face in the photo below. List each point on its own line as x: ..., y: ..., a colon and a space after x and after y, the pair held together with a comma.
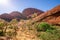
x: 29, y: 11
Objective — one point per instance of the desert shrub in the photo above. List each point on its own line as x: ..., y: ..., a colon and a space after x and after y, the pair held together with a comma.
x: 2, y: 33
x: 51, y: 35
x: 55, y: 32
x: 10, y: 27
x: 3, y: 25
x: 14, y: 21
x: 13, y: 28
x: 11, y: 33
x: 43, y: 26
x: 52, y: 31
x: 48, y: 36
x: 34, y: 15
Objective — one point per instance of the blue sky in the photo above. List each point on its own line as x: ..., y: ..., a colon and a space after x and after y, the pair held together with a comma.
x: 20, y: 5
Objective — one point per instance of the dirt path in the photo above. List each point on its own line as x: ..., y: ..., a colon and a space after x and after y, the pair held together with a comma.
x: 25, y: 34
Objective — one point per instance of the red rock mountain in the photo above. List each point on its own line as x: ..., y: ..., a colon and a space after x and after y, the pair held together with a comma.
x: 29, y: 11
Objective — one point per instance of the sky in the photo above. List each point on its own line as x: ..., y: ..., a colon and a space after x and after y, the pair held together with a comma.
x: 7, y: 6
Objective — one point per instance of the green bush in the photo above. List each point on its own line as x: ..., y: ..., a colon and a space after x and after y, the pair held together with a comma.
x: 43, y: 26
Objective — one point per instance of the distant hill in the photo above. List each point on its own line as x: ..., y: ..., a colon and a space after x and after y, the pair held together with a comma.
x: 6, y: 17
x: 29, y: 11
x: 17, y: 15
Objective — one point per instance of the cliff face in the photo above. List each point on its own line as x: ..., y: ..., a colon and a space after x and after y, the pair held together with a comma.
x: 52, y: 16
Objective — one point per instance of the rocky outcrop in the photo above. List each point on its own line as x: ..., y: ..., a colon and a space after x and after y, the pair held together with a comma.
x: 52, y: 16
